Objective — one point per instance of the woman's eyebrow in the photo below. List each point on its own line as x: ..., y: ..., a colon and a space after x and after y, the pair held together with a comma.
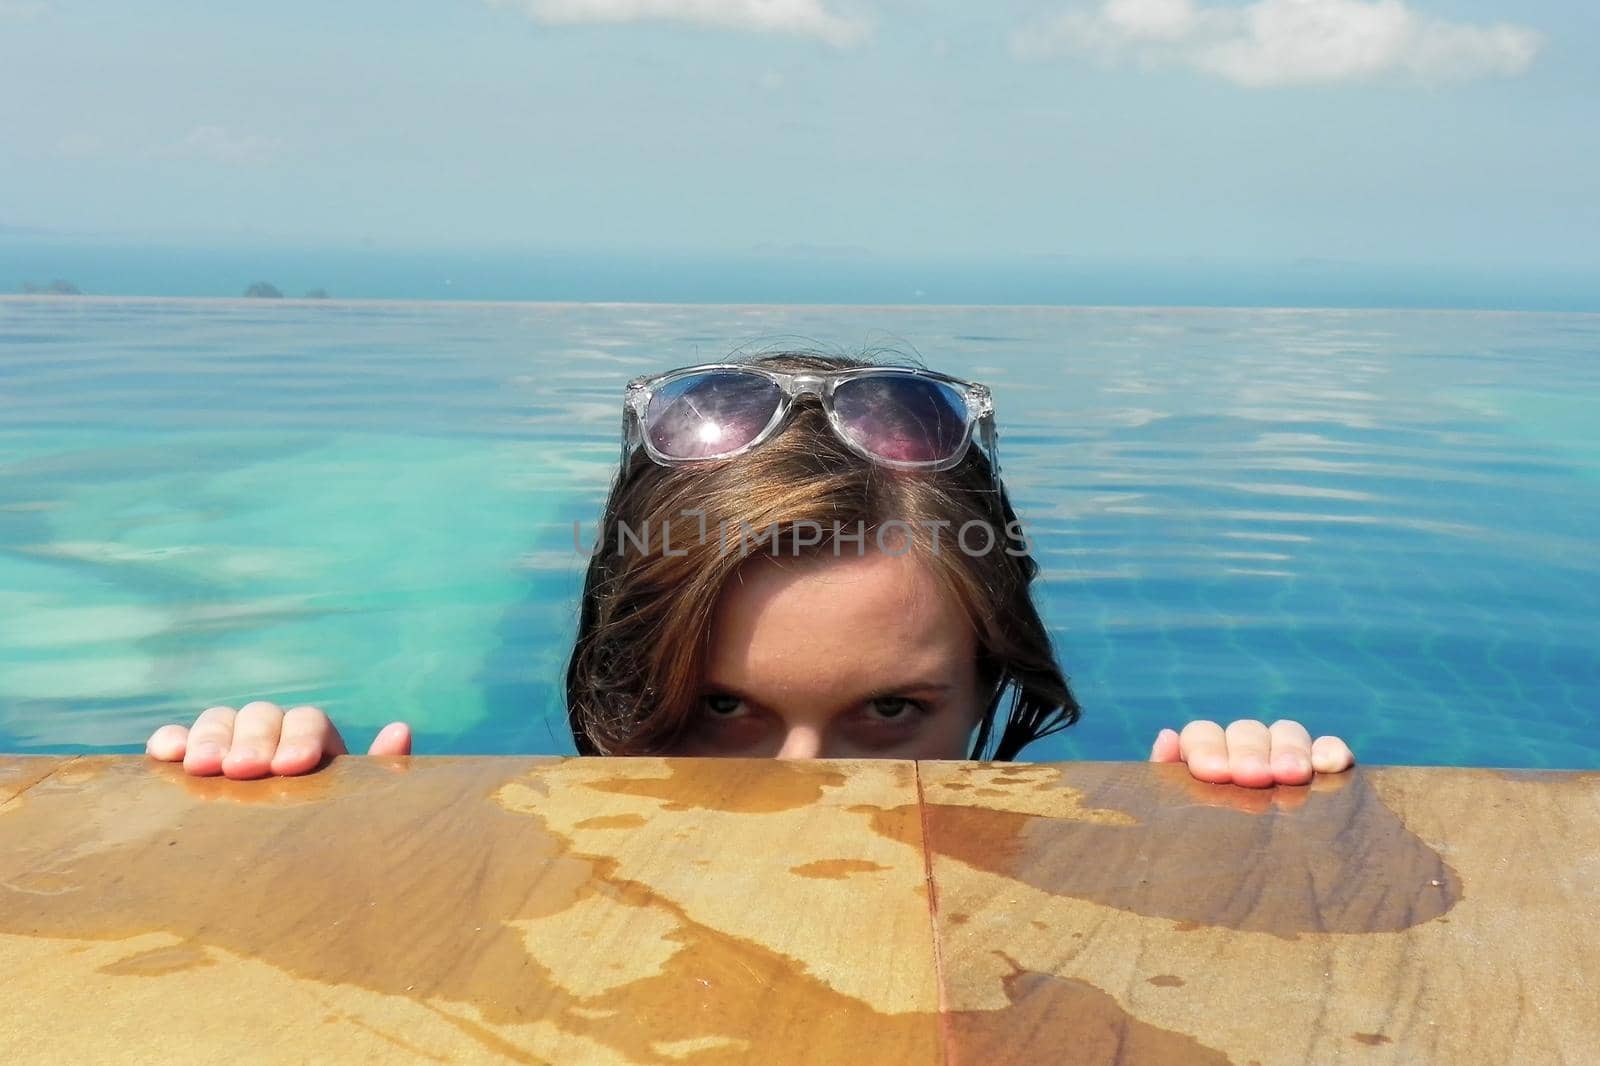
x: 922, y: 688
x: 907, y: 688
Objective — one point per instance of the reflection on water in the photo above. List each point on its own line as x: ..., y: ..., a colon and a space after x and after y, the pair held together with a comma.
x: 1379, y: 523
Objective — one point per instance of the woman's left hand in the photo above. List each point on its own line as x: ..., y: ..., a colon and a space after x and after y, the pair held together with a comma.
x: 1252, y: 754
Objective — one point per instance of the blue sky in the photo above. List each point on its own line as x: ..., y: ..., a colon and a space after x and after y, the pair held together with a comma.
x: 1387, y: 134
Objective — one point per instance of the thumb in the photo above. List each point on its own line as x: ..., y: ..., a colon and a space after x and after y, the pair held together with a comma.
x: 392, y: 739
x: 169, y: 743
x: 1166, y: 748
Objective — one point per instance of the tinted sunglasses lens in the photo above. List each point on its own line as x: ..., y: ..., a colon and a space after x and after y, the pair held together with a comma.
x: 902, y: 418
x: 704, y: 416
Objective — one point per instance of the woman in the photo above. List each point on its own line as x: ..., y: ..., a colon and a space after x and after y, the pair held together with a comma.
x: 803, y: 556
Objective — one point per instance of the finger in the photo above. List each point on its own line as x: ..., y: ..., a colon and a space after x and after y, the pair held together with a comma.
x: 1291, y: 753
x: 392, y: 739
x: 255, y: 740
x: 308, y: 737
x: 168, y: 743
x: 1165, y: 748
x: 1250, y: 754
x: 1330, y: 755
x: 209, y: 739
x: 1203, y: 746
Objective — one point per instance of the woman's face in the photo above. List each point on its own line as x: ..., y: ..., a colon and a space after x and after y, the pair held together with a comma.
x: 838, y: 658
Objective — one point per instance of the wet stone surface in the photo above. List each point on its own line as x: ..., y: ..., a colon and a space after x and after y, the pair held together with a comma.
x: 700, y: 911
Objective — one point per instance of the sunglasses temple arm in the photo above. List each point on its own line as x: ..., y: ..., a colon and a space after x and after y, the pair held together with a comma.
x: 989, y: 437
x: 630, y: 439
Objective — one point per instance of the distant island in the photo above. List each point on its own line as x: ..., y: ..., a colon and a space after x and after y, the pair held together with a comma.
x: 57, y: 287
x: 265, y: 290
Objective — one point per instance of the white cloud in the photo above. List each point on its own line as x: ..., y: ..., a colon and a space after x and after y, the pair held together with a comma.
x: 217, y: 144
x: 809, y: 18
x: 204, y: 143
x: 22, y: 9
x: 79, y: 146
x: 1269, y: 43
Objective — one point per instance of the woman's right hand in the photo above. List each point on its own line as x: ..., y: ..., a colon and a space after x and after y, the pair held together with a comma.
x: 262, y: 740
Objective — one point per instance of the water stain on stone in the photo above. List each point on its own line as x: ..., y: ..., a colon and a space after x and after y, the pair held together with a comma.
x: 1331, y: 859
x: 740, y: 786
x: 1166, y: 980
x: 1062, y: 1019
x: 319, y: 787
x: 612, y: 821
x: 417, y: 885
x: 902, y: 824
x: 1371, y: 1039
x: 1043, y: 791
x: 19, y: 773
x: 836, y: 869
x: 158, y: 962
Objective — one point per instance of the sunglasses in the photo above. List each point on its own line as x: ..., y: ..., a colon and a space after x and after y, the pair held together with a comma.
x: 900, y: 417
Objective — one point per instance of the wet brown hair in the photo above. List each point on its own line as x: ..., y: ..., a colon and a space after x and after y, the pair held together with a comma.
x: 633, y: 682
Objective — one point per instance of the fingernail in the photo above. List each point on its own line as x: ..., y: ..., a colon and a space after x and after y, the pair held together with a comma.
x: 294, y: 751
x: 207, y: 751
x: 245, y: 755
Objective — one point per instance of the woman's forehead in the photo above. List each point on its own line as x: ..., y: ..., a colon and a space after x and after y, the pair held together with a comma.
x: 871, y: 618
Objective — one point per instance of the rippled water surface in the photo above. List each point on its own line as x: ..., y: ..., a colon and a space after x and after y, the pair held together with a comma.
x: 1382, y: 524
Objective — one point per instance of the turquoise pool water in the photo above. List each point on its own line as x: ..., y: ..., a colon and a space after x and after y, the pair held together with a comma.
x: 1381, y: 523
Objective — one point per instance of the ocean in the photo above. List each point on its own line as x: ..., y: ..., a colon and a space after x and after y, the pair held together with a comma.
x: 1381, y: 523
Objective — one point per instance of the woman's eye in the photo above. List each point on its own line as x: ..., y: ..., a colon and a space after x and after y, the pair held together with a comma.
x: 893, y: 708
x: 718, y: 705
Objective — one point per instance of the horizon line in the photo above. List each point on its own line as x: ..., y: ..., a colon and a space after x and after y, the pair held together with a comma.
x: 402, y: 301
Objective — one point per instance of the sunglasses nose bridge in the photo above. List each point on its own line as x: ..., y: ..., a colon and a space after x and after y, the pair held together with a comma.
x: 806, y: 385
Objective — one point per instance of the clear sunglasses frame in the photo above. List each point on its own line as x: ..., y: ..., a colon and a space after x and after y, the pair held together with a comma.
x: 977, y: 399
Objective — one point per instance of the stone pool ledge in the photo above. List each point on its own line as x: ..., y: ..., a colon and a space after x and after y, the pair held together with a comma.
x: 685, y: 911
